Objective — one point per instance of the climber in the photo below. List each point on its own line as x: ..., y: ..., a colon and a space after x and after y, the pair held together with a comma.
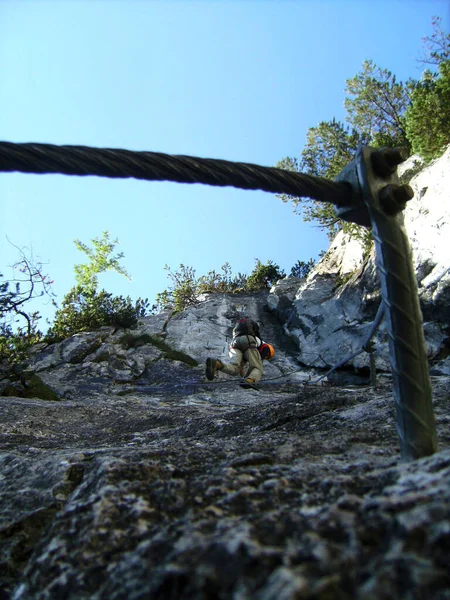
x: 246, y: 348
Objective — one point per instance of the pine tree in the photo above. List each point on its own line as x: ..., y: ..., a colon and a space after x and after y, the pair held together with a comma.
x: 428, y: 117
x: 376, y: 106
x: 329, y: 147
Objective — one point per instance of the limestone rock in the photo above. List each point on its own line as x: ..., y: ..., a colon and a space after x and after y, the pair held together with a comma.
x: 220, y: 493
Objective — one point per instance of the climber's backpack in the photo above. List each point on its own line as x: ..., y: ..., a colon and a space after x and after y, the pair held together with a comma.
x: 246, y: 327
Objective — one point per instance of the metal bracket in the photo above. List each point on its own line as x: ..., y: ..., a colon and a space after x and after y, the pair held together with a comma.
x: 378, y: 201
x: 374, y: 181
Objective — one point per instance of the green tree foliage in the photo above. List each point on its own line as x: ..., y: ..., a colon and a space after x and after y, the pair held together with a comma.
x: 100, y: 260
x: 375, y: 111
x: 302, y: 268
x: 263, y: 276
x: 428, y: 117
x: 186, y: 288
x: 19, y: 328
x: 329, y: 147
x: 376, y: 106
x: 436, y: 47
x: 84, y: 307
x: 182, y: 292
x: 382, y: 112
x: 224, y: 281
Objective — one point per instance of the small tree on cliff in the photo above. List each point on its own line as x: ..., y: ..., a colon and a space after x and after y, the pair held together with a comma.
x: 19, y: 326
x: 263, y: 276
x: 302, y: 268
x: 101, y: 259
x: 84, y: 307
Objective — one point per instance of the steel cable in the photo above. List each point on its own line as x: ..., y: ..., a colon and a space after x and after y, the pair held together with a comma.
x: 155, y: 166
x: 363, y: 186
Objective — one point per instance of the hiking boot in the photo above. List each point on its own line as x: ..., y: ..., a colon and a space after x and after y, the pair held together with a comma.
x: 212, y: 365
x: 249, y: 383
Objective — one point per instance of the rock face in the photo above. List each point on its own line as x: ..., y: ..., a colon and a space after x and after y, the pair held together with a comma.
x: 332, y: 311
x: 126, y: 475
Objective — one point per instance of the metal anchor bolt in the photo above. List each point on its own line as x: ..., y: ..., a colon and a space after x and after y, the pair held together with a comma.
x: 393, y: 198
x: 385, y: 161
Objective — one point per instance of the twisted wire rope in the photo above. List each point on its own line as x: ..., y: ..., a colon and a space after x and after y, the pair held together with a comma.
x: 156, y: 166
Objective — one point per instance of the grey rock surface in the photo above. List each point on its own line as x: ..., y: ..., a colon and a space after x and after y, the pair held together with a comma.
x: 144, y: 480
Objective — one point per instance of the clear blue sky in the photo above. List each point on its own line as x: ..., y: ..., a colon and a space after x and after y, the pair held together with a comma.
x: 237, y: 80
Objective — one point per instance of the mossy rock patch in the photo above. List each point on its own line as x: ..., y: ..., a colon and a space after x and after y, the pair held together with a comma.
x: 129, y: 340
x: 36, y: 388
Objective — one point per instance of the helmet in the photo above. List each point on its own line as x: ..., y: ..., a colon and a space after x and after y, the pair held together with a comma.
x: 267, y: 351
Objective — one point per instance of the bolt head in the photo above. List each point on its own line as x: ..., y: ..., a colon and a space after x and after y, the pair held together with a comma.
x: 393, y: 198
x: 403, y: 193
x: 385, y: 161
x: 395, y: 156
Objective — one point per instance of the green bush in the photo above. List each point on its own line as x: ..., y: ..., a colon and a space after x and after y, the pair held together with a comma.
x: 263, y: 276
x: 186, y: 288
x: 87, y: 309
x: 181, y: 293
x: 225, y: 281
x: 14, y: 346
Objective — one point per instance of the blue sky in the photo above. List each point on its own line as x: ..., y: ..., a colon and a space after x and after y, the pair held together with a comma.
x: 238, y: 80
